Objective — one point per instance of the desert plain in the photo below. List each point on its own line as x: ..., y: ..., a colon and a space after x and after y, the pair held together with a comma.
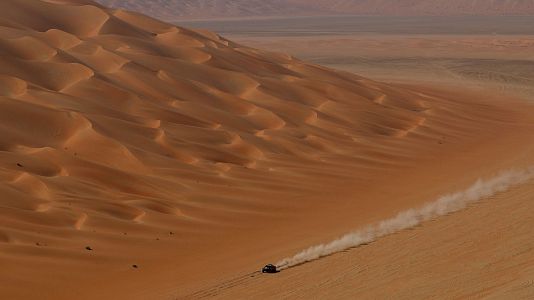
x: 473, y: 52
x: 140, y: 159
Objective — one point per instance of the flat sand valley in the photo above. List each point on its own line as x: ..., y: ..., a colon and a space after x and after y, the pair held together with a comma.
x: 484, y: 53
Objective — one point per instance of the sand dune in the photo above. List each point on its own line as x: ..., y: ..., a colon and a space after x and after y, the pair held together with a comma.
x: 140, y: 160
x: 203, y: 9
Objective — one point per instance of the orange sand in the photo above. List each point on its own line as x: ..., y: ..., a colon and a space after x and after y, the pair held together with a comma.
x: 197, y: 159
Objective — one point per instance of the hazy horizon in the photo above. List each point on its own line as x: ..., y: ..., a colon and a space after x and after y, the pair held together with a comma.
x: 173, y: 10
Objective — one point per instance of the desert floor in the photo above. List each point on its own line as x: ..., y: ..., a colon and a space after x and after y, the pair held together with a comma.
x: 494, y: 53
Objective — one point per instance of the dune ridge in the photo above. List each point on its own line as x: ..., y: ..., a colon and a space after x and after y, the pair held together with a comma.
x: 137, y: 156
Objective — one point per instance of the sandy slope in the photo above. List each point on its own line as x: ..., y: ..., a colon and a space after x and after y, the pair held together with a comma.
x: 183, y: 9
x: 476, y: 253
x: 140, y: 160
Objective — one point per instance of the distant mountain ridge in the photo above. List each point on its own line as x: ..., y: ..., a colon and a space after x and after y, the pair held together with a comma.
x: 187, y: 9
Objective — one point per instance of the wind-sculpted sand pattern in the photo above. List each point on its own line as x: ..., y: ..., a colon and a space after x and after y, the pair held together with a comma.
x: 125, y: 102
x: 128, y: 141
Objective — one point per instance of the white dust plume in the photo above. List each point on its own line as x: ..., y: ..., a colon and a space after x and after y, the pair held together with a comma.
x: 442, y: 206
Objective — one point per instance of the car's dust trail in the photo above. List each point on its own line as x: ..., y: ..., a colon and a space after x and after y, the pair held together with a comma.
x: 410, y: 218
